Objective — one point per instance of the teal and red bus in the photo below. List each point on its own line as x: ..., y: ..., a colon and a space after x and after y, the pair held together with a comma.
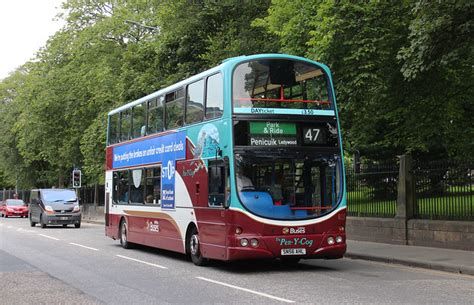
x: 242, y: 161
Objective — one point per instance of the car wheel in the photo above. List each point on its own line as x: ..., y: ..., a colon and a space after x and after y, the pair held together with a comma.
x: 43, y: 225
x: 77, y: 225
x: 6, y: 216
x: 195, y: 249
x: 64, y: 225
x: 124, y: 235
x: 32, y: 223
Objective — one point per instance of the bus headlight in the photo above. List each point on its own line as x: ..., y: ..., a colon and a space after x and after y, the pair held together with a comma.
x: 244, y: 242
x: 76, y: 209
x: 339, y: 239
x: 330, y: 240
x: 254, y: 242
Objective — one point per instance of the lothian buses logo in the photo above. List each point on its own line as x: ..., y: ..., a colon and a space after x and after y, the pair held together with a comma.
x: 299, y: 230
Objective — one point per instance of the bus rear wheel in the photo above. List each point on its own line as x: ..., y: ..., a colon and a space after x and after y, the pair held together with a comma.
x: 195, y: 249
x: 124, y: 235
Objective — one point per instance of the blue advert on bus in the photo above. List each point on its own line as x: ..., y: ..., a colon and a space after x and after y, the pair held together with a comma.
x: 165, y: 149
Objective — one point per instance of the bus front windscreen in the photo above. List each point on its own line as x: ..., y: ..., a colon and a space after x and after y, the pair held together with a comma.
x: 261, y: 86
x: 289, y: 187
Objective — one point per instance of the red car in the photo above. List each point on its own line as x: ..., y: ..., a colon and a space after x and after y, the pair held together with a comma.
x: 14, y: 207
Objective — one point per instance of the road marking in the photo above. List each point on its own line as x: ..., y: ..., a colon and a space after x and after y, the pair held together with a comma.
x: 143, y: 262
x: 246, y: 290
x: 50, y: 237
x: 9, y: 227
x: 79, y: 245
x: 19, y: 229
x: 29, y: 231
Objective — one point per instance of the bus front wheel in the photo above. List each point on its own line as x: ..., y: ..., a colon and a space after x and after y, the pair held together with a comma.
x: 195, y: 249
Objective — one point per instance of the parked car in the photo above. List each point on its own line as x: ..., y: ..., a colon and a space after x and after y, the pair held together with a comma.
x: 13, y: 207
x: 54, y: 207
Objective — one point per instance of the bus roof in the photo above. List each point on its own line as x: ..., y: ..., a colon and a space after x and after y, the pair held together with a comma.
x: 226, y: 63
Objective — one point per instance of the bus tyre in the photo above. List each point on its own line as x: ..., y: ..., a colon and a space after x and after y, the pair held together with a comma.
x: 195, y: 249
x: 42, y: 223
x: 124, y: 235
x: 32, y: 223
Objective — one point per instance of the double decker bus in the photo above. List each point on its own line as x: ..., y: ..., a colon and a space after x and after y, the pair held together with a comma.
x: 242, y: 161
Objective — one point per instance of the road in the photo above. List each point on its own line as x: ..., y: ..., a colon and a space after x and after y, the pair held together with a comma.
x: 82, y: 266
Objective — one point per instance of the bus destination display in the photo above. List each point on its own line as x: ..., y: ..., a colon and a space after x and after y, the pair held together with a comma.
x: 292, y: 134
x: 272, y: 134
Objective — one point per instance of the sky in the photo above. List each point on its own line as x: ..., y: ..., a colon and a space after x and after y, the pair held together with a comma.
x: 25, y: 26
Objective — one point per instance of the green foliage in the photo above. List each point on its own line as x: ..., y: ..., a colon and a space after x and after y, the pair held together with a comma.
x: 402, y: 71
x: 380, y: 53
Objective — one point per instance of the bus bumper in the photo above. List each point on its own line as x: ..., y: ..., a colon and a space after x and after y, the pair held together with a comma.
x: 323, y: 252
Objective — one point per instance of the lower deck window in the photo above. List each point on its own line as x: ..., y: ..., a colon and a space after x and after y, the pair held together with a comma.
x: 137, y: 186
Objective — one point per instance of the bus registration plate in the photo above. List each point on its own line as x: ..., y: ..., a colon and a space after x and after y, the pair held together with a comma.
x: 293, y: 251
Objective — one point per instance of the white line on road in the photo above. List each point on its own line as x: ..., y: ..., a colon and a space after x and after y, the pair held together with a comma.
x: 79, y: 245
x: 246, y: 290
x: 143, y: 262
x: 50, y: 237
x: 9, y: 227
x: 29, y: 231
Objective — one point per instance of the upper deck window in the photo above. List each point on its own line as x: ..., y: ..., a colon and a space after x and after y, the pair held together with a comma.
x: 114, y: 135
x: 174, y: 109
x: 195, y: 102
x: 139, y: 120
x: 279, y: 83
x: 215, y: 96
x: 125, y: 125
x: 155, y: 115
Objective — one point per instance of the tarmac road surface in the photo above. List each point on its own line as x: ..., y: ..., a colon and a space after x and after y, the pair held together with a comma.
x: 60, y: 265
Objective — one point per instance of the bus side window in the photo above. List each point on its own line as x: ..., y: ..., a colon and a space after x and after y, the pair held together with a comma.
x: 155, y: 115
x: 139, y: 120
x: 195, y: 102
x: 114, y: 128
x: 214, y: 96
x: 217, y: 183
x: 115, y: 182
x: 125, y: 125
x: 174, y: 109
x: 153, y: 186
x: 137, y: 189
x: 123, y: 191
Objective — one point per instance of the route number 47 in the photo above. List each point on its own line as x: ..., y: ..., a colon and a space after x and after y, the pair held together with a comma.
x: 312, y: 134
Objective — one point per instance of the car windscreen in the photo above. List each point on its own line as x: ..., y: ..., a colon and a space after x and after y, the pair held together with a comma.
x: 58, y: 195
x: 16, y: 202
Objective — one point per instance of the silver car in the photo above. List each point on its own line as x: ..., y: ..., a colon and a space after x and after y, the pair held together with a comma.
x: 54, y: 207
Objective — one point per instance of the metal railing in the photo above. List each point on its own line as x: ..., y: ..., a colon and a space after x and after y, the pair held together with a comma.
x: 372, y: 190
x: 444, y: 190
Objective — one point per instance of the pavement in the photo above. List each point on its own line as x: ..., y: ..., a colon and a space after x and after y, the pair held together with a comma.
x: 457, y: 261
x: 448, y: 260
